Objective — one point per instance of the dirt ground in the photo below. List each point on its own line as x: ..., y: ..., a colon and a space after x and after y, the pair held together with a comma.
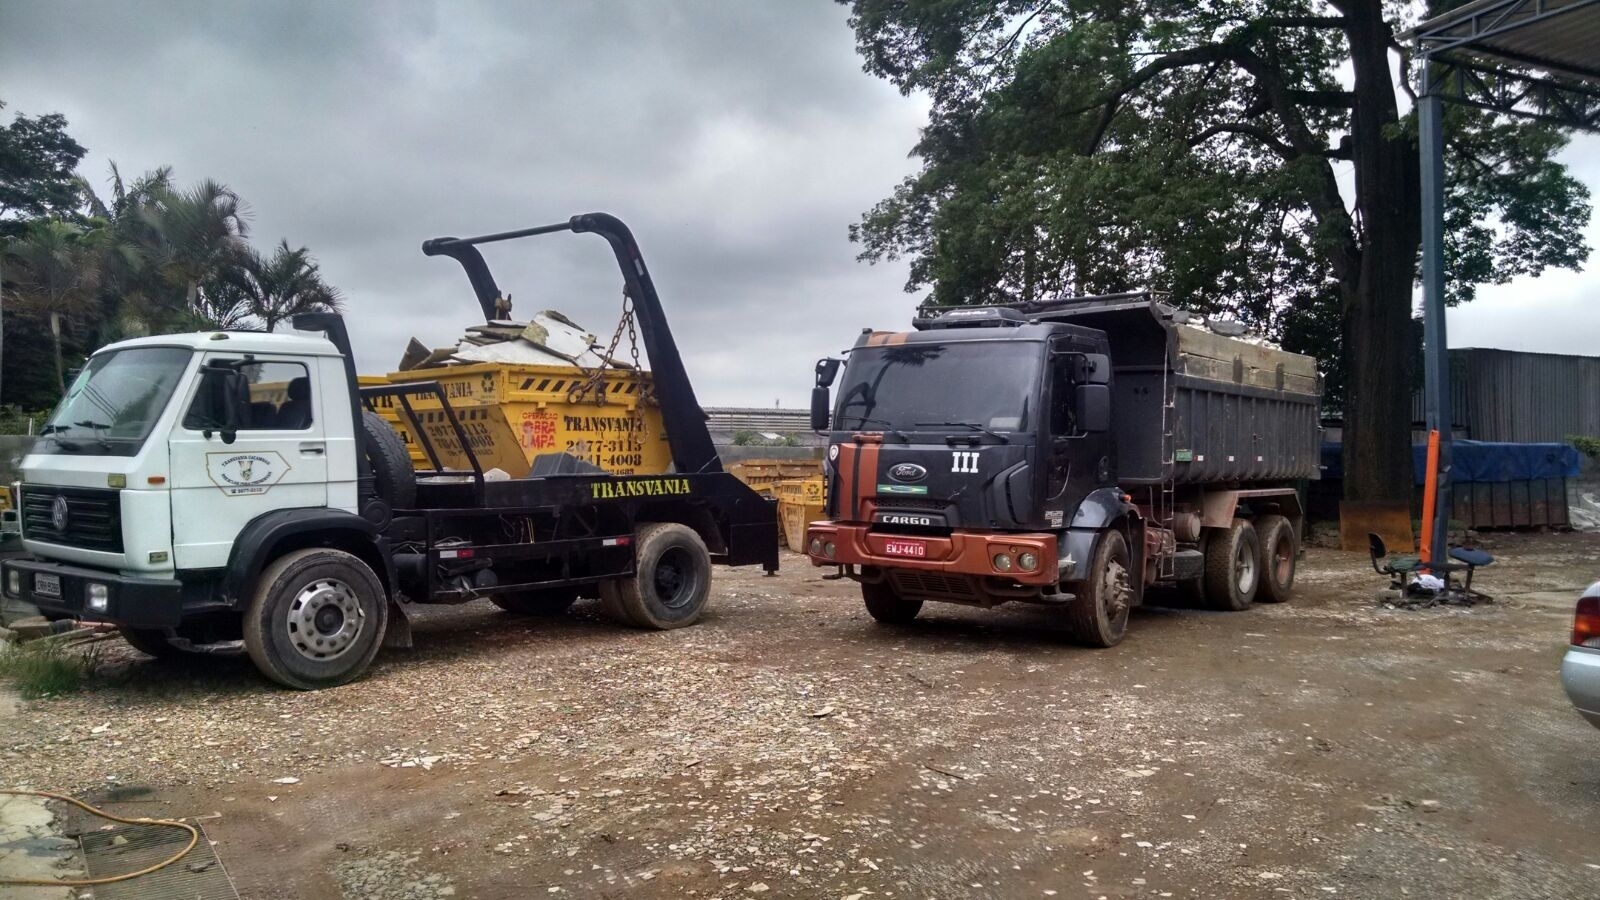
x: 790, y: 747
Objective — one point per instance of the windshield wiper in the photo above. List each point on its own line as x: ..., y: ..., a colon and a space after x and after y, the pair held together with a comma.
x: 97, y: 427
x: 888, y: 426
x: 973, y: 425
x: 52, y: 429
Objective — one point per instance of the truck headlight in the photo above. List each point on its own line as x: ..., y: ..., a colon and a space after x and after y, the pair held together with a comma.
x: 97, y: 597
x: 1028, y: 562
x: 829, y: 550
x: 816, y: 546
x: 13, y: 582
x: 1002, y: 562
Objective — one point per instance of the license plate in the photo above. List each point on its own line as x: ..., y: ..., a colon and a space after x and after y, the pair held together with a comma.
x: 917, y: 549
x: 47, y: 585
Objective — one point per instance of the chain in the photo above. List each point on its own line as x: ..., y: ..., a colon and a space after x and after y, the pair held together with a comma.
x: 592, y: 387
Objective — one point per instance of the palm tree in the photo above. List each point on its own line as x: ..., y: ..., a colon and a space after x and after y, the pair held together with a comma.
x: 278, y: 287
x: 56, y: 271
x: 196, y: 236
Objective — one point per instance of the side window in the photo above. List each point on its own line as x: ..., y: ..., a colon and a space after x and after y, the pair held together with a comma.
x: 1063, y: 422
x: 279, y: 400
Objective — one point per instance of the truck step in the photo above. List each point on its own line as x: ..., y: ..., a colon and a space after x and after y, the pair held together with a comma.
x: 1187, y: 564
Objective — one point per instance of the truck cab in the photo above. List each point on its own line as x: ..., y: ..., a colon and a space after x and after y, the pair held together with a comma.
x: 135, y: 496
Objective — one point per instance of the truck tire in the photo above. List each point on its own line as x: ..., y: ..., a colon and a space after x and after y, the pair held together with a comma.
x: 1280, y: 552
x: 537, y: 601
x: 316, y: 620
x: 150, y: 642
x: 671, y: 582
x: 1233, y: 566
x: 1098, y: 616
x: 886, y: 605
x: 394, y: 479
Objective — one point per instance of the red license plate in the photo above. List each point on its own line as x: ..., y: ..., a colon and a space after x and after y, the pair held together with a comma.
x: 918, y: 549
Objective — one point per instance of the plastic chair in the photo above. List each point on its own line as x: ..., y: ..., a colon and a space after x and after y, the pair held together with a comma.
x: 1470, y: 558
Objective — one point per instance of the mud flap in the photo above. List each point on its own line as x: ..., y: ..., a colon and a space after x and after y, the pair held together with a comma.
x: 397, y: 636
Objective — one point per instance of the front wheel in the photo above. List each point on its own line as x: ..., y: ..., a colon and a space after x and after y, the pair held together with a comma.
x: 316, y: 620
x: 886, y: 605
x: 671, y: 582
x: 1098, y: 616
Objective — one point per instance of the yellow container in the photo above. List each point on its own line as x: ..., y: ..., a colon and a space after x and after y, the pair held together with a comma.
x: 512, y: 413
x: 765, y: 474
x: 800, y: 502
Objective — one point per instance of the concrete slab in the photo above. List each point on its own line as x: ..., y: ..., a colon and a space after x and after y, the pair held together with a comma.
x: 30, y: 847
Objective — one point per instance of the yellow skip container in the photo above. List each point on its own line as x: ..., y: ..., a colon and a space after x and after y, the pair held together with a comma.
x: 512, y: 413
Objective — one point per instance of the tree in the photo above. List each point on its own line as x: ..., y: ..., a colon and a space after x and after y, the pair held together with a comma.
x: 56, y: 277
x: 195, y: 236
x: 1196, y: 147
x: 37, y: 162
x: 278, y: 287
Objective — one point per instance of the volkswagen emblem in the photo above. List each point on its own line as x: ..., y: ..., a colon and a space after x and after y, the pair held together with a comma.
x: 58, y: 513
x: 907, y: 472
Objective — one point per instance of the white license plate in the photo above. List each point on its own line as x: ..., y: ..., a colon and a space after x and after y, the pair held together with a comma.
x: 916, y: 549
x: 47, y: 585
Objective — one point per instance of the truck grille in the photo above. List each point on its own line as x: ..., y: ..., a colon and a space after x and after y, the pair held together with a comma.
x: 918, y: 583
x: 94, y: 517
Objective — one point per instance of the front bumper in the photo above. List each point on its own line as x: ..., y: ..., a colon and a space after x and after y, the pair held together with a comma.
x: 962, y: 553
x: 130, y: 600
x: 1580, y: 676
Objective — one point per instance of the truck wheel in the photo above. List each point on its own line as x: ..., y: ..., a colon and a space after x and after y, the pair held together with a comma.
x: 537, y: 602
x: 1280, y: 550
x: 1233, y: 567
x: 150, y: 642
x: 316, y: 620
x: 394, y: 478
x: 886, y: 605
x: 1098, y: 616
x: 671, y: 582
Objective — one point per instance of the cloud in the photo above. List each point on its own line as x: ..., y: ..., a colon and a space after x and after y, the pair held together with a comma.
x: 738, y: 140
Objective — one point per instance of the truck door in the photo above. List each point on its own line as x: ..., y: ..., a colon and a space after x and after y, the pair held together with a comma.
x: 279, y: 459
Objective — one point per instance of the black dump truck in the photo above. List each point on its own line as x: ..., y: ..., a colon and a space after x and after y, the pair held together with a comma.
x: 1073, y: 452
x: 199, y: 520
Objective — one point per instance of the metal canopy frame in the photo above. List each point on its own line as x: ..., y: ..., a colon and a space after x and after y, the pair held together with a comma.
x: 1537, y: 59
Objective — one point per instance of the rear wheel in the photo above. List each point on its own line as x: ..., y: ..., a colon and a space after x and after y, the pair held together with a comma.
x: 150, y: 642
x: 671, y: 582
x: 886, y: 605
x: 1098, y: 616
x: 1280, y: 550
x: 1233, y: 567
x: 537, y: 602
x: 316, y: 620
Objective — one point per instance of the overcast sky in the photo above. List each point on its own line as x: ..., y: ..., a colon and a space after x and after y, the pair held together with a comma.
x: 738, y: 139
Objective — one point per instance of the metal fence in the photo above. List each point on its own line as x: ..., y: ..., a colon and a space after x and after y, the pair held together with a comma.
x: 1509, y: 395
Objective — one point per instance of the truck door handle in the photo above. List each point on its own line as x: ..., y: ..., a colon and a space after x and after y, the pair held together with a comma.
x: 313, y: 448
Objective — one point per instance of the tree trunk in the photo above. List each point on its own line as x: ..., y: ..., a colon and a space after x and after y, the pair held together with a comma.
x: 1379, y: 332
x: 61, y: 368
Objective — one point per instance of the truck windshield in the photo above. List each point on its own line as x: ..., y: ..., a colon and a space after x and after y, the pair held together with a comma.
x: 966, y: 385
x: 114, y: 402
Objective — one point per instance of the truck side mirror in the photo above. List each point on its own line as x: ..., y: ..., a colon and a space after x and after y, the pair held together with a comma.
x: 827, y: 370
x: 225, y: 391
x: 1094, y: 408
x: 821, y: 407
x: 1094, y: 368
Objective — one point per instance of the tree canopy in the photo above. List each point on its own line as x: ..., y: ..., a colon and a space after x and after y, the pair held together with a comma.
x: 1250, y: 157
x: 80, y: 270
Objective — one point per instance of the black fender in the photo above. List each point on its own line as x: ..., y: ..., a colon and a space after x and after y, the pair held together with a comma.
x: 1102, y: 510
x: 270, y: 535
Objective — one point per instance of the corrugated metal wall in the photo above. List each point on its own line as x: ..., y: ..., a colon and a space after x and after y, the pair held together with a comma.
x: 1508, y: 395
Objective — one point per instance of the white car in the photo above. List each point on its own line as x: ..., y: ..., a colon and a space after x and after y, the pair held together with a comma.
x: 1580, y: 669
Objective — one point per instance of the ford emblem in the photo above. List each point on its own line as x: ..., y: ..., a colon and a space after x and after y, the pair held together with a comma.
x: 907, y: 472
x: 58, y: 514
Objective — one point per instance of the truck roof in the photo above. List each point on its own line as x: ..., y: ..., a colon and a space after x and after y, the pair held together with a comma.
x: 234, y: 342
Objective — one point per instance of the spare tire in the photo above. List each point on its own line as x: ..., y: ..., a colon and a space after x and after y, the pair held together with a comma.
x: 394, y: 479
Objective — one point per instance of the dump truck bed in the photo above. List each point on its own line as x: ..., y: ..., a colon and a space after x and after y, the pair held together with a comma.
x: 1195, y: 407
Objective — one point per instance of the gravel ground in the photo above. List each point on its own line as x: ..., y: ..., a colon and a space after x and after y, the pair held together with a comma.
x: 790, y: 747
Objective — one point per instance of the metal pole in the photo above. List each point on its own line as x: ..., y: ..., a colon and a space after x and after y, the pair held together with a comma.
x: 1435, y: 346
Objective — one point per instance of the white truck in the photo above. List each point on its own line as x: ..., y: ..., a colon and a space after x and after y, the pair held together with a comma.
x: 228, y: 491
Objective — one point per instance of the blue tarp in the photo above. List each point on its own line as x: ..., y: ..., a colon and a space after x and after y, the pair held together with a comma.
x: 1481, y: 461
